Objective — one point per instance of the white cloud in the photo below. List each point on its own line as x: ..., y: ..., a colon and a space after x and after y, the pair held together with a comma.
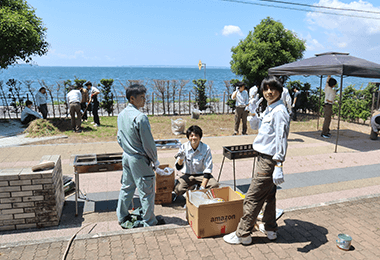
x: 313, y: 44
x: 231, y: 29
x: 359, y: 36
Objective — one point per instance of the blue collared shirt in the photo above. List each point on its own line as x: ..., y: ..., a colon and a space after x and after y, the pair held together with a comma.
x: 273, y: 132
x: 134, y: 133
x: 242, y: 98
x: 41, y: 98
x: 197, y: 161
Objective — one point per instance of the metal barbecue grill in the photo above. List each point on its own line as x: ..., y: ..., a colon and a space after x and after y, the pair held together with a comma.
x: 89, y: 163
x: 238, y: 152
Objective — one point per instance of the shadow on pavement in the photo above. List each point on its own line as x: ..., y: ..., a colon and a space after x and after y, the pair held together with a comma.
x: 347, y: 138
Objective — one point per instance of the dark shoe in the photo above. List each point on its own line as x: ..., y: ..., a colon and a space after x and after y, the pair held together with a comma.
x: 235, y: 133
x: 160, y: 220
x: 245, y: 134
x: 325, y: 136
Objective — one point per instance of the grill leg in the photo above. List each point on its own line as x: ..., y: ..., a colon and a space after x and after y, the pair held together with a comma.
x: 221, y: 167
x: 76, y: 192
x: 234, y: 174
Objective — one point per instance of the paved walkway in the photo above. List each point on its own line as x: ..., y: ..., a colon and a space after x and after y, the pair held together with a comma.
x: 325, y: 193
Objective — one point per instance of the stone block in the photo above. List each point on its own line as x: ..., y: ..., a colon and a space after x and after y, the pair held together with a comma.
x: 21, y: 193
x: 10, y: 188
x: 32, y: 187
x: 6, y: 217
x: 23, y: 204
x: 33, y: 198
x: 20, y: 182
x: 9, y: 200
x: 14, y: 221
x: 11, y: 211
x: 6, y: 206
x: 5, y: 195
x: 42, y: 181
x: 4, y: 183
x: 24, y: 215
x: 9, y: 174
x: 24, y: 226
x: 5, y: 228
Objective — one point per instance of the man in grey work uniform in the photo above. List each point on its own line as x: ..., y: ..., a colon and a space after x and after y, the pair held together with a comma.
x: 139, y: 153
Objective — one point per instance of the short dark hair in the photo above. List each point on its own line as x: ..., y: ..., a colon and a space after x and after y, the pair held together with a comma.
x: 41, y: 89
x: 194, y: 129
x: 134, y: 90
x: 294, y: 87
x: 88, y: 83
x: 332, y: 82
x: 272, y: 82
x: 239, y: 84
x: 28, y: 102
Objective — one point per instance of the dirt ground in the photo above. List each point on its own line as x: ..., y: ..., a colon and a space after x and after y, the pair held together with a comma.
x: 212, y: 125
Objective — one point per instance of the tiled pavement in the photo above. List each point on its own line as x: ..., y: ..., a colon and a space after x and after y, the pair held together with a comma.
x: 307, y: 233
x: 303, y: 234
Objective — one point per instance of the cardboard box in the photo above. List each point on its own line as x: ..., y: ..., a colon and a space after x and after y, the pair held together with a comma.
x: 218, y: 218
x: 164, y: 187
x: 163, y: 198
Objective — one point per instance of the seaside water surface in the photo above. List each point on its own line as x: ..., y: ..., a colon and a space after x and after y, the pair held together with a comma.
x: 52, y: 75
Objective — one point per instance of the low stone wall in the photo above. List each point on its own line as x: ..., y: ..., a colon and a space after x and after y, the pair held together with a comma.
x: 31, y: 199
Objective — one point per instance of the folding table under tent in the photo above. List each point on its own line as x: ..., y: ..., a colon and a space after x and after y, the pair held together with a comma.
x: 330, y: 63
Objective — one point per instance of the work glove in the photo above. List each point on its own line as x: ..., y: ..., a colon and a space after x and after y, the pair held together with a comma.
x: 237, y: 89
x: 156, y: 164
x: 293, y: 105
x: 201, y: 188
x: 180, y: 155
x: 278, y: 176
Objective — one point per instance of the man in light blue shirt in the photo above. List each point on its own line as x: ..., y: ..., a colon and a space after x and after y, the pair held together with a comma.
x: 139, y: 155
x: 41, y: 101
x: 195, y: 162
x: 271, y: 144
x: 241, y: 113
x: 28, y: 115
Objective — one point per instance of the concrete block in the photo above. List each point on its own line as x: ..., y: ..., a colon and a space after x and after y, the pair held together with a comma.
x: 9, y: 200
x: 6, y: 217
x: 32, y: 187
x: 43, y: 192
x: 48, y: 186
x: 4, y: 183
x: 23, y: 204
x: 5, y: 228
x: 11, y: 211
x: 14, y: 221
x: 20, y: 182
x: 5, y: 195
x: 24, y: 226
x: 42, y: 181
x: 9, y: 174
x: 21, y: 193
x: 33, y: 198
x: 24, y: 215
x: 10, y: 188
x: 5, y: 206
x: 28, y: 174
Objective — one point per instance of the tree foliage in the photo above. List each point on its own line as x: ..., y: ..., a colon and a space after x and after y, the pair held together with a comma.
x: 267, y: 46
x: 200, y: 98
x: 106, y: 90
x: 22, y: 33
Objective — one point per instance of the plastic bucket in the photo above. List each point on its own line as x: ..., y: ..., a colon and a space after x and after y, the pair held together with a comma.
x: 344, y: 242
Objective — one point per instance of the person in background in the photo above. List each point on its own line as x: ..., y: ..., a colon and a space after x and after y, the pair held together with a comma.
x: 93, y: 93
x: 375, y: 125
x: 330, y: 94
x: 296, y: 102
x: 139, y: 155
x: 73, y: 98
x: 41, y: 102
x: 84, y: 102
x: 242, y: 99
x: 28, y: 115
x: 195, y: 161
x: 271, y: 145
x: 287, y: 99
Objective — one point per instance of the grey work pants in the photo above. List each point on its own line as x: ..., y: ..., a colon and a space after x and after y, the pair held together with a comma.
x: 327, y: 121
x: 262, y: 189
x: 187, y: 180
x: 241, y: 113
x: 75, y: 122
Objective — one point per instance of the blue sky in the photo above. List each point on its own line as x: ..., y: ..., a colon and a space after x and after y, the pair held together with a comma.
x: 182, y: 32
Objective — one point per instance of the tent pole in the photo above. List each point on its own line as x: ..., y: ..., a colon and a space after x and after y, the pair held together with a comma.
x: 340, y: 106
x: 319, y: 102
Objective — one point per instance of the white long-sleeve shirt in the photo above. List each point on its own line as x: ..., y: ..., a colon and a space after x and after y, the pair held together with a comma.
x: 197, y: 161
x: 241, y: 98
x: 330, y: 93
x: 74, y: 96
x: 273, y: 132
x: 27, y: 111
x: 41, y: 98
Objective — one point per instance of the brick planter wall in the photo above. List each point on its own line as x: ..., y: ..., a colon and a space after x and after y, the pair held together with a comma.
x: 31, y: 199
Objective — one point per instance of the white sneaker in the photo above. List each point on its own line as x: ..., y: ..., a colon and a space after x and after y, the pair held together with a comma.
x: 232, y: 238
x: 271, y: 235
x: 96, y: 125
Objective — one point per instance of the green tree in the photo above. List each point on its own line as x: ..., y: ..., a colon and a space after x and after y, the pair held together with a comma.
x: 267, y: 46
x: 201, y: 97
x: 106, y: 90
x: 22, y: 33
